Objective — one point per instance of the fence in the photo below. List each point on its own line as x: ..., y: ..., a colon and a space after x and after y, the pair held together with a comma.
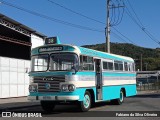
x: 148, y: 81
x: 149, y: 86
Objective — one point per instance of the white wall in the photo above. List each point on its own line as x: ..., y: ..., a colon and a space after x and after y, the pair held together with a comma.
x: 14, y: 79
x: 36, y: 41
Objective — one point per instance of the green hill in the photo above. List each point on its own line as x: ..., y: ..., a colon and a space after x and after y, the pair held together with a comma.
x: 151, y: 57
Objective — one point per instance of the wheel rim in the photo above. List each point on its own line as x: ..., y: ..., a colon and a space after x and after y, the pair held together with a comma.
x: 86, y: 101
x: 121, y: 96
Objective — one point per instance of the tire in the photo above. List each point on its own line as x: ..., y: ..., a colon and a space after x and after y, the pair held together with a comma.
x: 120, y: 100
x: 86, y: 103
x: 47, y: 106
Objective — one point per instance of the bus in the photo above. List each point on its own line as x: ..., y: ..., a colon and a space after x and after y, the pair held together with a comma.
x: 62, y: 73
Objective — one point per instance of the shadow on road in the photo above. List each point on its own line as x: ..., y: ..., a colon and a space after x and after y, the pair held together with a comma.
x: 157, y: 95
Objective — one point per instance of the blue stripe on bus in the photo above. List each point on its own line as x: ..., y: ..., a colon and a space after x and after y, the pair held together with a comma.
x: 107, y: 74
x: 86, y: 73
x: 118, y: 74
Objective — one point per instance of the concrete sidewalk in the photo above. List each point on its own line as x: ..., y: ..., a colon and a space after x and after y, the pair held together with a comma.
x: 148, y: 92
x: 15, y: 103
x: 22, y: 102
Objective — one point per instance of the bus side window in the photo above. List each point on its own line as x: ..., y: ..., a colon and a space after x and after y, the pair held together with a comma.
x: 81, y: 63
x: 107, y: 65
x: 131, y: 67
x: 86, y: 63
x: 125, y: 66
x: 118, y: 65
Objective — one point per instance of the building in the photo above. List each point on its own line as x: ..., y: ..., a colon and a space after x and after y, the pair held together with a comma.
x: 16, y: 42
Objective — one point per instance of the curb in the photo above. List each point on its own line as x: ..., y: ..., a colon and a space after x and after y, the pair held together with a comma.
x: 148, y: 92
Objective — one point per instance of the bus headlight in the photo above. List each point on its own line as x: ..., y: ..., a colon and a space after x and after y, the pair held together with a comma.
x: 71, y: 87
x: 68, y: 87
x: 33, y: 88
x: 64, y: 87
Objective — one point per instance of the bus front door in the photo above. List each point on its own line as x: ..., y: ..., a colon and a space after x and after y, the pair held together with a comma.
x: 98, y: 79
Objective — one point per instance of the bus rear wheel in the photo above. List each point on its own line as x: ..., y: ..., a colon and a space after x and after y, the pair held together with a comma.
x: 86, y: 103
x: 120, y: 100
x: 47, y: 106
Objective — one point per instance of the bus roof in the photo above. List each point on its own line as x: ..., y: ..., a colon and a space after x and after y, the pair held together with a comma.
x: 79, y: 50
x: 104, y: 54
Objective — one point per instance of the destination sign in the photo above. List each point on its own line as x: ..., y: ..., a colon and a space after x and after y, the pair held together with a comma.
x: 51, y: 48
x: 52, y: 40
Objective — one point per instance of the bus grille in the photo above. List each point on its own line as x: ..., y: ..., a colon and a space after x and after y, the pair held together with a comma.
x: 53, y: 82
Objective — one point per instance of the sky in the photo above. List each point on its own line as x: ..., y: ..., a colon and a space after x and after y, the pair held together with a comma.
x: 146, y: 10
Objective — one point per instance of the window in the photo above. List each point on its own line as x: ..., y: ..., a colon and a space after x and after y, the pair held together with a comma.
x: 105, y: 65
x: 125, y: 66
x: 63, y: 62
x: 118, y: 65
x: 86, y: 63
x: 108, y: 65
x: 131, y: 67
x: 39, y: 63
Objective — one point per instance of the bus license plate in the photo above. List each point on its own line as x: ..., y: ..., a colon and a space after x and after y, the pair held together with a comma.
x: 47, y: 98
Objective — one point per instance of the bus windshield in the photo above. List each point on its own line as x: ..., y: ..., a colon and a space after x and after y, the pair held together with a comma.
x: 63, y: 62
x: 39, y: 63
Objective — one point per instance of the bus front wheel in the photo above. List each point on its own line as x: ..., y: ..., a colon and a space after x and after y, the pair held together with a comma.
x: 47, y: 106
x: 86, y: 103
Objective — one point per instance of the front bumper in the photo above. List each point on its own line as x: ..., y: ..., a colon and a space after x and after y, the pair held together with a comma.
x: 53, y: 98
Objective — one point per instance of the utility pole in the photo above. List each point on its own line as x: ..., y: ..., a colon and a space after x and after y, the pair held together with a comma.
x: 109, y: 23
x: 107, y: 48
x: 141, y: 62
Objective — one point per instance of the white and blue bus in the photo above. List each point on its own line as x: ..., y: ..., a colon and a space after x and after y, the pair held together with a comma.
x: 66, y: 73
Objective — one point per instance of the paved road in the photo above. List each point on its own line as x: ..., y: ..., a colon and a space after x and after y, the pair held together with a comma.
x: 147, y: 102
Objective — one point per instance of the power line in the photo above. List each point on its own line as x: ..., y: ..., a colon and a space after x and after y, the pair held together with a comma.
x: 58, y: 21
x: 51, y: 18
x: 117, y: 20
x: 118, y: 37
x: 150, y: 36
x: 134, y: 20
x: 113, y: 7
x: 141, y: 27
x: 123, y: 35
x: 134, y: 12
x: 139, y: 24
x: 70, y: 10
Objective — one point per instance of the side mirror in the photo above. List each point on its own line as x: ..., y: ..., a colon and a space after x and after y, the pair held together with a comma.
x: 75, y: 69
